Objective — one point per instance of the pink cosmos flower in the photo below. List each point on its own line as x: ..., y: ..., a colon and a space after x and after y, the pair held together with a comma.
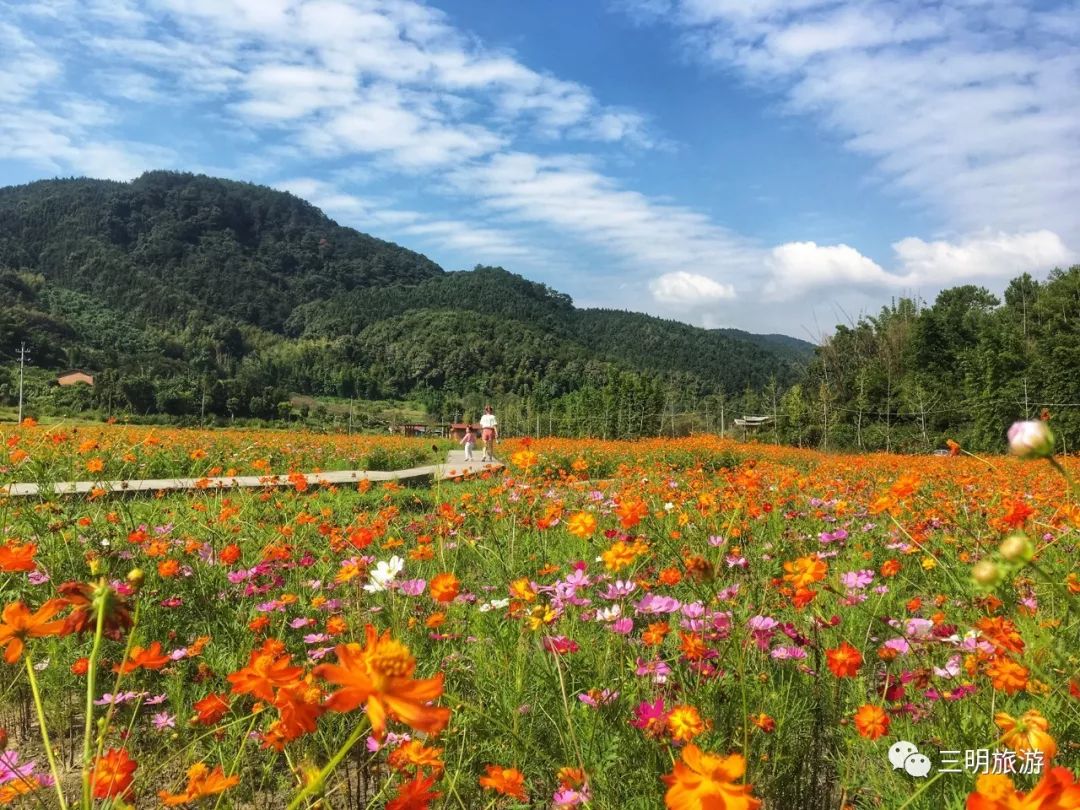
x: 560, y: 645
x: 657, y: 669
x: 411, y: 587
x: 857, y: 580
x: 568, y: 797
x: 654, y: 603
x: 786, y: 653
x: 163, y: 720
x: 650, y: 717
x: 623, y: 626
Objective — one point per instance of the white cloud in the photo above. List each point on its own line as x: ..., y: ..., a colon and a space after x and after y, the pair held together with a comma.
x: 688, y: 290
x: 485, y: 245
x: 568, y: 195
x: 982, y: 256
x: 798, y: 267
x: 969, y: 107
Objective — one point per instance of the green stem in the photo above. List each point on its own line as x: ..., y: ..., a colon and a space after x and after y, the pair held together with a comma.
x: 104, y: 726
x: 45, y: 734
x: 746, y: 716
x: 91, y: 685
x: 317, y: 783
x: 239, y: 754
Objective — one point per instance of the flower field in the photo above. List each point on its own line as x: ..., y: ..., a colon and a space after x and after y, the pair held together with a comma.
x: 687, y: 623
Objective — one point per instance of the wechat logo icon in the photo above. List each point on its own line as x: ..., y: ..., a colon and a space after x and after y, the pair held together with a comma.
x: 905, y: 756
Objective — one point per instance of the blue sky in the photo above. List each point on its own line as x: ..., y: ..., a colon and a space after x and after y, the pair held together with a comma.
x: 773, y: 165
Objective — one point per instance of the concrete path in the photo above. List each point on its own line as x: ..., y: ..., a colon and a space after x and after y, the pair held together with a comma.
x: 455, y: 467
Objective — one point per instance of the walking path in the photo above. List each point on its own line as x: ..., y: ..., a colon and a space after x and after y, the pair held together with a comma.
x: 455, y: 467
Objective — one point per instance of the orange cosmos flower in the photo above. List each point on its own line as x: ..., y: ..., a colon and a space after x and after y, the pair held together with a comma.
x: 571, y: 777
x: 230, y: 554
x: 445, y: 587
x: 524, y: 459
x: 95, y: 465
x: 670, y: 576
x: 1002, y: 633
x: 655, y: 633
x: 20, y: 624
x: 414, y: 754
x: 168, y: 568
x: 268, y: 668
x: 211, y: 708
x: 522, y: 589
x: 258, y: 624
x: 113, y: 774
x: 414, y: 795
x: 684, y: 723
x: 1007, y: 675
x: 18, y: 787
x: 507, y: 781
x: 336, y: 625
x: 693, y: 646
x: 705, y: 781
x: 202, y: 782
x: 149, y: 658
x: 871, y: 721
x: 299, y: 706
x: 764, y: 723
x: 17, y: 557
x: 805, y: 571
x: 844, y: 661
x: 622, y: 554
x: 1030, y: 733
x: 630, y: 513
x: 1057, y: 790
x: 581, y: 524
x: 379, y: 677
x: 80, y: 597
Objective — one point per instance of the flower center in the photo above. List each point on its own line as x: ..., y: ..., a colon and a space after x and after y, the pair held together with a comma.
x: 391, y: 659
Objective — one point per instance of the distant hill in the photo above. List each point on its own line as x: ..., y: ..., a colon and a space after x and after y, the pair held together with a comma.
x: 190, y: 294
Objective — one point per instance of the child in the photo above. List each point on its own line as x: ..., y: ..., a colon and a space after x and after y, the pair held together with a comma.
x: 468, y: 440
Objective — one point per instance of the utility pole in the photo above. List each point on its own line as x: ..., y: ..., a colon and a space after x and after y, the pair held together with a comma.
x: 23, y: 354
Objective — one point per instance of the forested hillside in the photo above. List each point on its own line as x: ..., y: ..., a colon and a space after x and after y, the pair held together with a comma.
x: 191, y: 297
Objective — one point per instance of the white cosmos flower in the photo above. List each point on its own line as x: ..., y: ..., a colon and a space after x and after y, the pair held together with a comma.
x: 384, y: 573
x: 608, y: 614
x: 494, y: 604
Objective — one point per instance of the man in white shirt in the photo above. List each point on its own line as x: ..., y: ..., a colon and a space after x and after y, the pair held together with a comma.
x: 489, y: 427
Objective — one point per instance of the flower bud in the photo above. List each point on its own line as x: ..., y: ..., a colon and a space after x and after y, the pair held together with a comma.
x: 1017, y: 548
x: 986, y: 573
x: 1031, y: 439
x: 135, y: 578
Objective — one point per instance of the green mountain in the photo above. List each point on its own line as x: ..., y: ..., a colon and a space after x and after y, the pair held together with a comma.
x: 188, y: 294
